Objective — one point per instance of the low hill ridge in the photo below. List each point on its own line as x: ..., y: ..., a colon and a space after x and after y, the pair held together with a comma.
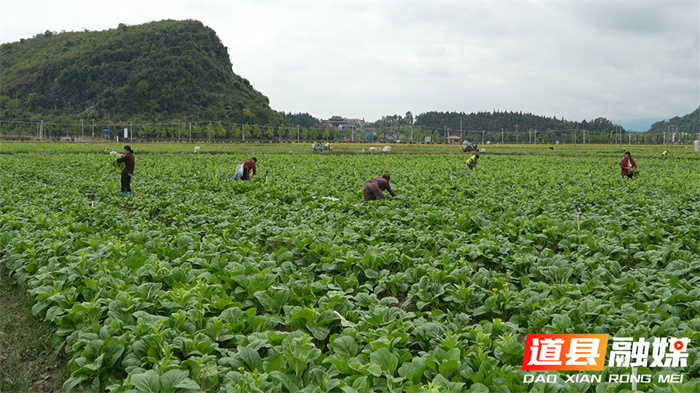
x: 166, y: 70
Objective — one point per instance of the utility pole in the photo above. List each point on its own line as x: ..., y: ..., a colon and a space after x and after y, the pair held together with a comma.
x: 516, y: 134
x: 178, y: 130
x: 82, y: 129
x: 93, y: 128
x: 483, y: 135
x: 501, y: 136
x: 190, y: 132
x: 411, y: 134
x: 297, y: 133
x: 619, y: 133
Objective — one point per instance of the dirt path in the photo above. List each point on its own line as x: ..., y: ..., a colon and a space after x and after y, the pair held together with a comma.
x: 27, y: 363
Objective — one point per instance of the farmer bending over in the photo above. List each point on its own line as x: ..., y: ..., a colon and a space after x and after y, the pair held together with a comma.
x: 374, y: 188
x: 471, y: 161
x: 249, y: 165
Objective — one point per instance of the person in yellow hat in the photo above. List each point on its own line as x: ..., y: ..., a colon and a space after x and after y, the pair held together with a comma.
x: 471, y: 161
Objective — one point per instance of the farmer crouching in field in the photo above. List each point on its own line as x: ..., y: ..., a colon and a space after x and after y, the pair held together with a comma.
x: 374, y: 188
x: 471, y: 161
x: 628, y: 166
x: 128, y: 171
x: 249, y: 165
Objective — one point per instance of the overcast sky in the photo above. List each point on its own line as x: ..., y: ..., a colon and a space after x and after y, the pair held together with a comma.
x: 633, y: 62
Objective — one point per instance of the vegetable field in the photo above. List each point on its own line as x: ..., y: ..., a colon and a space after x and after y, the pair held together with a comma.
x: 197, y: 282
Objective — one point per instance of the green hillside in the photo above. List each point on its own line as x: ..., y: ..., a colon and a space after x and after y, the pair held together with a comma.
x: 689, y: 123
x: 167, y: 70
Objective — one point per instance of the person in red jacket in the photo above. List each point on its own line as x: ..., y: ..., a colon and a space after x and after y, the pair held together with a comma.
x: 374, y: 188
x: 249, y: 165
x: 628, y: 166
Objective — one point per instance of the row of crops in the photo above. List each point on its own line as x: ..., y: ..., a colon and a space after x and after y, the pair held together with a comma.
x: 197, y: 282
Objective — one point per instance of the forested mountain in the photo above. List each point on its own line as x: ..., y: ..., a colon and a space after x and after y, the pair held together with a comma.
x: 495, y: 121
x: 689, y: 124
x: 304, y: 120
x: 159, y: 71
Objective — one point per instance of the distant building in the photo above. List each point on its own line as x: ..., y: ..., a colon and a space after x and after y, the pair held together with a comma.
x: 344, y: 122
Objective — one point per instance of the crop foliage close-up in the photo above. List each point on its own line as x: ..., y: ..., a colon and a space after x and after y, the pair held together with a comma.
x: 197, y: 282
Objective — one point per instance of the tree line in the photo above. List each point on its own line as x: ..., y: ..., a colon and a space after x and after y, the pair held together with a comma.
x: 216, y: 131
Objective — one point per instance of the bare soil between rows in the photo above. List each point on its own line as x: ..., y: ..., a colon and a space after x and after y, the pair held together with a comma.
x: 27, y: 362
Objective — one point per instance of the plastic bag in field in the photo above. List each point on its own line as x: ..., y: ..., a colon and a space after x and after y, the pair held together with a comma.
x: 239, y: 172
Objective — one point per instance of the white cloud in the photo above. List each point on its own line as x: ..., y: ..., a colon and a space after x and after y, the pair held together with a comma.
x: 623, y: 60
